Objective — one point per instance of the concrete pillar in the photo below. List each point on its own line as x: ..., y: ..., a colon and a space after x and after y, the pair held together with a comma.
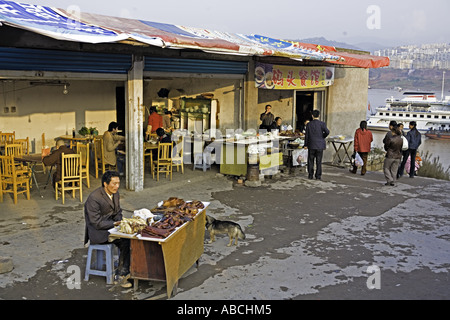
x: 251, y: 100
x: 134, y: 142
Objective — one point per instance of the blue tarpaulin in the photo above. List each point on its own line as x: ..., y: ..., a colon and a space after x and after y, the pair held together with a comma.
x: 46, y: 21
x: 91, y: 28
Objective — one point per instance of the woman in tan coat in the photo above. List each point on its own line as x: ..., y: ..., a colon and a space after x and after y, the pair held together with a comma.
x: 111, y: 140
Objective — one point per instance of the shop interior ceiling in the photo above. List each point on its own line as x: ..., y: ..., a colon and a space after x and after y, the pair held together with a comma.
x: 94, y: 28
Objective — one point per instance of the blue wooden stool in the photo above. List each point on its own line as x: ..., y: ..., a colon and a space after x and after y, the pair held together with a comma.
x: 96, y: 267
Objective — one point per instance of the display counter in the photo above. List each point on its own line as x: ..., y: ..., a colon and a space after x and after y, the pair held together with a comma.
x: 166, y: 259
x: 236, y: 154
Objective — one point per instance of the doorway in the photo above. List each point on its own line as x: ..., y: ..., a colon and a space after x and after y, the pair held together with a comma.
x: 120, y: 108
x: 305, y: 103
x: 304, y: 107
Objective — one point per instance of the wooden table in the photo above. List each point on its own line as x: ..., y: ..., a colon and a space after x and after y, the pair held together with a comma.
x: 150, y: 146
x: 73, y: 140
x: 33, y: 160
x: 167, y: 259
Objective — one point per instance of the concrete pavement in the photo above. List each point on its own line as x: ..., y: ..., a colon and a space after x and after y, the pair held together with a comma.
x: 306, y: 239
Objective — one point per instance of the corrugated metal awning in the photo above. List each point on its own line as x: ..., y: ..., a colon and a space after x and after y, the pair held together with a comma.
x: 63, y: 61
x: 158, y: 64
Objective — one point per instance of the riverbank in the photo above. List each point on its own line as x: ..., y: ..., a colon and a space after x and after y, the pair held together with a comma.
x: 420, y: 79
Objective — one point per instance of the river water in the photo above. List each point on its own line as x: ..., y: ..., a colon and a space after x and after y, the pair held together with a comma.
x: 438, y: 148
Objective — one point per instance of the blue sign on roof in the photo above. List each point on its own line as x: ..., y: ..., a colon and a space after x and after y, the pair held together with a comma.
x: 45, y: 19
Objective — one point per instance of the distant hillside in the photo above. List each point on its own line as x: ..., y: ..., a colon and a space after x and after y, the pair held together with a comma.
x: 422, y: 79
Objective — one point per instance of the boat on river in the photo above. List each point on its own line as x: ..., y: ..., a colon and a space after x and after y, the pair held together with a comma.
x: 422, y: 107
x: 438, y: 134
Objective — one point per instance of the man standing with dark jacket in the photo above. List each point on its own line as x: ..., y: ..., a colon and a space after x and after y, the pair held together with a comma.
x: 101, y: 211
x: 315, y: 134
x: 266, y: 118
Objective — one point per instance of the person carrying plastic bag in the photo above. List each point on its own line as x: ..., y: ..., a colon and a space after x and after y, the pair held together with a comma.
x: 362, y: 145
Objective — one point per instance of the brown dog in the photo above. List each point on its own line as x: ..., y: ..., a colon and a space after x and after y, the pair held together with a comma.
x: 233, y: 230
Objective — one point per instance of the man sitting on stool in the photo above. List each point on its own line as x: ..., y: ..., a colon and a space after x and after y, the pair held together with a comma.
x: 101, y: 211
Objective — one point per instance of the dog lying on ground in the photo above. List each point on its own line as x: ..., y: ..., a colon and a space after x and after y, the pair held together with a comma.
x: 233, y: 230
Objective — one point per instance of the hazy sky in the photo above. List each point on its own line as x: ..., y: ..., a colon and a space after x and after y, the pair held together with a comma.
x: 387, y: 22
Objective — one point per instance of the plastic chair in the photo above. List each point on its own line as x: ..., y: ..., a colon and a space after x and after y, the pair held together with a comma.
x: 70, y: 174
x: 95, y: 267
x: 203, y: 160
x: 83, y: 150
x: 177, y: 159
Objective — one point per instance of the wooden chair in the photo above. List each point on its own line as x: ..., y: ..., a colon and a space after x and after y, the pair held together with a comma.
x: 177, y: 158
x: 10, y: 176
x: 98, y: 152
x: 16, y: 150
x: 1, y: 184
x: 71, y: 177
x: 25, y: 144
x: 44, y: 152
x: 83, y: 150
x: 148, y: 153
x: 7, y: 137
x: 164, y: 160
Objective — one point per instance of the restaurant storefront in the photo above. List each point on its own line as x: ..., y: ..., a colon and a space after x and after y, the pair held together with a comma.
x: 59, y: 77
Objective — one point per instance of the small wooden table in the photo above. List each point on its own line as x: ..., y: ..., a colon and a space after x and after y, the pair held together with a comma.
x: 33, y: 160
x: 167, y: 259
x: 343, y: 143
x: 73, y: 140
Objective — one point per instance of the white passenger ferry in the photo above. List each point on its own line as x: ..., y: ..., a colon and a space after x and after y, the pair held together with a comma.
x: 422, y: 107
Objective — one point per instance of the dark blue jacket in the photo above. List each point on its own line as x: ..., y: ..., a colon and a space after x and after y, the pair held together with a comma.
x: 315, y: 134
x: 414, y: 139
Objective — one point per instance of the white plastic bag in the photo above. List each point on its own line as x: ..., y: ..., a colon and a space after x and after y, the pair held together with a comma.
x: 144, y: 214
x: 405, y: 145
x: 301, y: 156
x: 358, y: 160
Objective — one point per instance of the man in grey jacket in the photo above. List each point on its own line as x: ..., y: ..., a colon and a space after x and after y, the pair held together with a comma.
x: 315, y: 134
x: 101, y: 211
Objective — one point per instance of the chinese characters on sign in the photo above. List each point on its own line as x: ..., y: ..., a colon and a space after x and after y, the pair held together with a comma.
x: 268, y: 76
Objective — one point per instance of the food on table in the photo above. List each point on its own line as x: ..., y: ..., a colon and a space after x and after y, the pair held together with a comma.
x: 131, y: 225
x: 173, y: 213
